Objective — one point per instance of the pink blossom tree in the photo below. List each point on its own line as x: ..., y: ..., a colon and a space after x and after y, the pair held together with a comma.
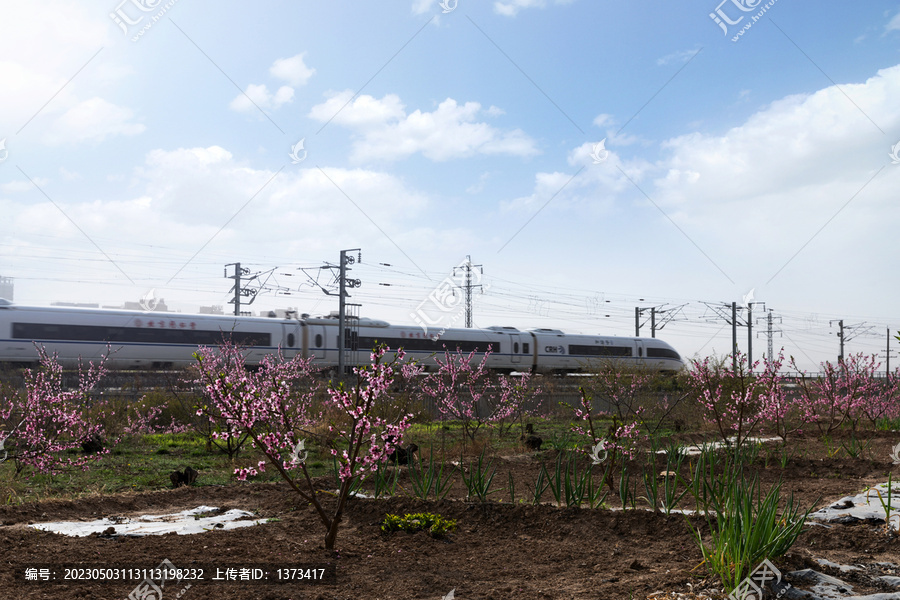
x: 43, y: 423
x: 845, y: 393
x: 465, y: 390
x: 273, y: 406
x: 732, y: 398
x: 618, y: 443
x: 632, y: 396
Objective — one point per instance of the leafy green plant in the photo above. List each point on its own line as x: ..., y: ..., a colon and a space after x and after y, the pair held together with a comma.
x: 577, y: 482
x: 745, y: 525
x: 626, y: 493
x: 570, y: 483
x: 597, y: 493
x: 886, y: 424
x: 436, y: 525
x: 785, y: 458
x: 561, y: 441
x: 540, y: 485
x: 428, y: 477
x: 855, y: 447
x: 384, y: 480
x: 887, y: 506
x: 749, y: 452
x: 706, y: 485
x: 830, y: 449
x: 670, y: 497
x: 651, y: 484
x: 555, y: 480
x: 478, y: 477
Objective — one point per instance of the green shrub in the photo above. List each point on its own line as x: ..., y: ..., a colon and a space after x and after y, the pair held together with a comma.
x: 436, y: 525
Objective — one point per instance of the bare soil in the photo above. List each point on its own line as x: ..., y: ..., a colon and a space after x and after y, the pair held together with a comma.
x: 500, y: 549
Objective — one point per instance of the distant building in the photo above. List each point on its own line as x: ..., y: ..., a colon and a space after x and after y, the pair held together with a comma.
x: 6, y: 288
x: 75, y: 304
x: 212, y: 310
x: 279, y: 313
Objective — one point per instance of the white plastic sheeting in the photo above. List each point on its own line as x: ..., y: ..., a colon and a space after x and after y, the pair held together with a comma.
x: 869, y: 505
x: 186, y: 522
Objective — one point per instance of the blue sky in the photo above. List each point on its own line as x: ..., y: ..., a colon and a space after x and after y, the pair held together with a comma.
x: 141, y: 164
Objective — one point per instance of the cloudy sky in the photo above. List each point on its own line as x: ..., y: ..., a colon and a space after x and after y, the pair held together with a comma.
x: 592, y: 156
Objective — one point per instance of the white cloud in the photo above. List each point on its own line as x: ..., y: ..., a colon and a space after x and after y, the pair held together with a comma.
x: 40, y: 54
x: 258, y: 96
x: 22, y: 185
x: 387, y: 132
x: 478, y: 187
x: 93, y: 120
x: 420, y: 7
x: 363, y: 112
x: 749, y: 198
x: 612, y: 136
x: 511, y: 8
x: 603, y: 119
x: 204, y: 187
x: 293, y: 70
x: 70, y: 175
x: 676, y: 57
x: 181, y: 199
x: 894, y: 24
x: 798, y: 141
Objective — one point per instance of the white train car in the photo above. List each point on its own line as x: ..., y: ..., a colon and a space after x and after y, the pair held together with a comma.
x: 506, y: 353
x: 558, y: 352
x: 537, y: 350
x: 164, y: 340
x: 136, y: 339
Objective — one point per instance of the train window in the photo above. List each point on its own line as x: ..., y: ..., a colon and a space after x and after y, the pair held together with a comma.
x: 516, y: 348
x: 112, y: 334
x: 318, y: 340
x: 524, y: 347
x: 585, y: 350
x: 662, y: 353
x: 290, y: 340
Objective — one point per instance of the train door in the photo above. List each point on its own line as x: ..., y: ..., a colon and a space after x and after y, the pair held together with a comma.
x: 516, y: 348
x: 640, y: 351
x: 317, y: 342
x: 290, y: 340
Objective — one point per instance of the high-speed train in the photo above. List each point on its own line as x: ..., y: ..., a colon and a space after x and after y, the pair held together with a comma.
x: 163, y: 340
